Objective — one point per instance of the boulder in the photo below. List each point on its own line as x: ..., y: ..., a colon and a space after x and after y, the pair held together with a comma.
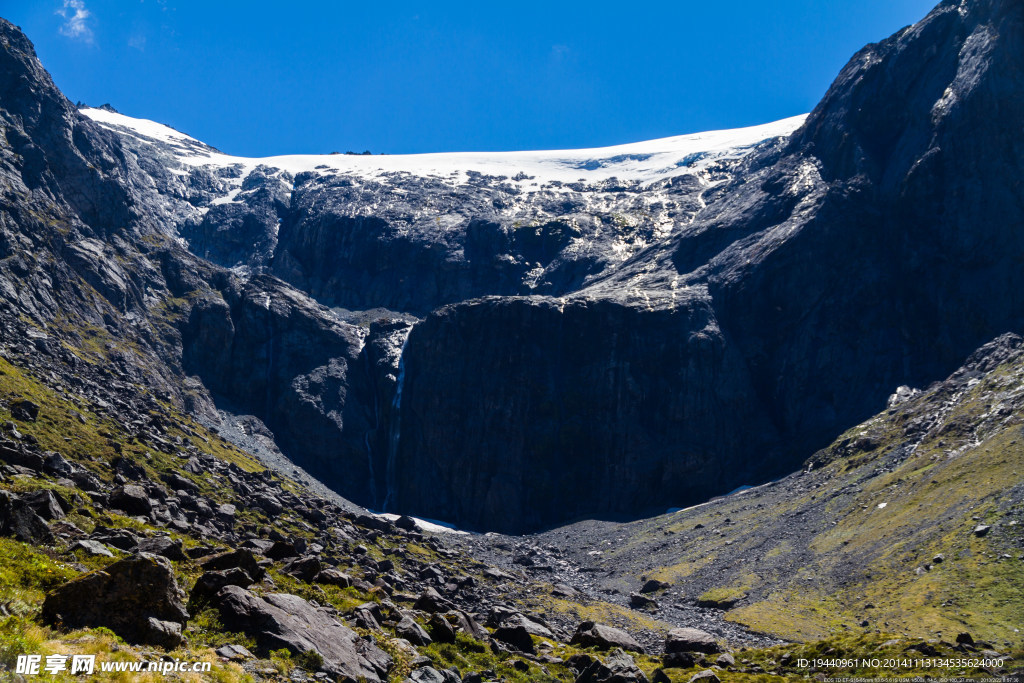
x: 441, y: 630
x: 653, y: 585
x: 333, y: 577
x: 726, y: 660
x: 131, y: 499
x: 410, y: 630
x: 406, y: 523
x: 122, y: 539
x: 47, y: 504
x: 226, y: 513
x: 466, y: 624
x: 137, y: 598
x: 705, y: 676
x: 243, y: 559
x: 165, y: 546
x: 90, y: 547
x: 682, y: 660
x: 516, y: 636
x: 428, y: 674
x: 209, y: 584
x: 592, y: 634
x: 368, y: 616
x: 234, y: 653
x: 287, y: 621
x: 261, y: 545
x: 24, y: 410
x: 57, y: 465
x: 19, y: 520
x: 641, y: 601
x: 659, y: 676
x: 964, y: 638
x: 617, y: 668
x: 304, y: 568
x: 431, y: 601
x: 532, y: 627
x: 282, y: 549
x: 166, y: 634
x: 691, y: 640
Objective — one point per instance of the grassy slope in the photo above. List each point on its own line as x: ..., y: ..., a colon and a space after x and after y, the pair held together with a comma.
x: 76, y: 429
x: 800, y: 586
x: 854, y: 540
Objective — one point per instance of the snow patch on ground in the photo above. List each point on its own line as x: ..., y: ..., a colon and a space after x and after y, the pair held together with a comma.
x: 431, y: 525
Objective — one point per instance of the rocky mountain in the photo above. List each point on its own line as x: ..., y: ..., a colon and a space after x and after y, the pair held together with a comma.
x: 838, y: 265
x: 384, y: 239
x: 523, y: 339
x: 612, y: 332
x: 509, y: 342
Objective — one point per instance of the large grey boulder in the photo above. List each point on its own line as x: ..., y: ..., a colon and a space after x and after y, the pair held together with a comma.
x: 691, y: 640
x: 47, y: 504
x: 410, y: 630
x: 592, y: 634
x: 137, y: 598
x: 131, y: 499
x: 280, y: 620
x: 619, y: 667
x: 19, y: 520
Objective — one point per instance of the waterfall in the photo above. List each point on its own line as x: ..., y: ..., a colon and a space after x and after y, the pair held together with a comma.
x: 395, y: 433
x: 372, y: 430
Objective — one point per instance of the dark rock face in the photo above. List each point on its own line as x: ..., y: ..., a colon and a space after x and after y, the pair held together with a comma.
x: 137, y: 598
x: 898, y: 256
x: 610, y: 402
x: 288, y: 621
x: 273, y: 353
x: 243, y: 232
x: 413, y: 243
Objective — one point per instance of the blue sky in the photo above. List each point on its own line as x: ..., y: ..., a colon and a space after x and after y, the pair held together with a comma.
x: 260, y: 78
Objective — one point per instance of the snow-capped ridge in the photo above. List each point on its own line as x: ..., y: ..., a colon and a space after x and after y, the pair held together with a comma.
x: 640, y: 161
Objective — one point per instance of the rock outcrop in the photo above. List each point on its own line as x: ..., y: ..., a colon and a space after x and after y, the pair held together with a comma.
x: 18, y: 519
x: 691, y: 640
x: 287, y: 621
x: 137, y: 598
x: 593, y: 634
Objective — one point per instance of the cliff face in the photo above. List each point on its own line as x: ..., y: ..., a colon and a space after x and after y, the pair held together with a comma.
x: 610, y: 403
x: 902, y: 255
x: 879, y: 246
x: 89, y: 262
x: 605, y: 333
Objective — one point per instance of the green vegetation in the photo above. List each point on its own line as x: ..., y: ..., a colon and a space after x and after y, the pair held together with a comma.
x: 863, y: 583
x: 877, y: 538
